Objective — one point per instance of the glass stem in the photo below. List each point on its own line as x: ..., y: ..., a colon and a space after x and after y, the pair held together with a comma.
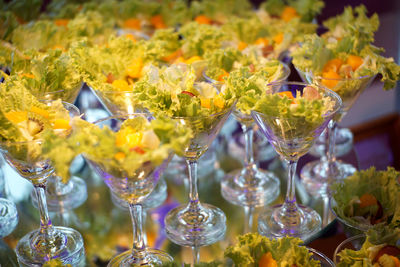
x: 139, y: 248
x: 194, y: 202
x: 196, y: 255
x: 290, y: 204
x: 248, y: 219
x: 248, y: 137
x: 331, y: 156
x: 46, y: 227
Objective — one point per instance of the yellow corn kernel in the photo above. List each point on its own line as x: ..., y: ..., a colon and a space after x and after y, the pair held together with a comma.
x: 119, y: 155
x: 192, y: 59
x: 16, y: 116
x: 61, y: 124
x: 205, y: 102
x: 42, y: 112
x: 121, y: 85
x: 135, y: 69
x: 219, y: 102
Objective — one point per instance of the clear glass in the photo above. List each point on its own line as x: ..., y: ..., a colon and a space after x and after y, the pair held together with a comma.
x: 60, y: 196
x: 321, y: 173
x: 48, y: 242
x: 8, y: 217
x: 291, y: 142
x: 250, y: 186
x: 324, y: 260
x: 134, y: 190
x: 197, y: 224
x: 354, y: 243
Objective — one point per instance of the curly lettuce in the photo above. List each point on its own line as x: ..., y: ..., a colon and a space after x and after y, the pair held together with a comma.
x: 307, y: 9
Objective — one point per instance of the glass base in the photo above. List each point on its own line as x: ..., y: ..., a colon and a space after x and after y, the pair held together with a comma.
x: 8, y: 217
x: 315, y: 178
x: 68, y: 197
x: 155, y: 199
x: 343, y: 143
x: 263, y: 189
x: 195, y: 227
x: 67, y: 247
x: 276, y: 223
x: 154, y: 257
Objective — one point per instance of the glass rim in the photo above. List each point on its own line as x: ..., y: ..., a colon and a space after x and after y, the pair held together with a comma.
x: 7, y: 143
x: 207, y: 116
x: 344, y: 242
x: 335, y: 79
x: 127, y: 115
x: 320, y: 254
x: 329, y: 113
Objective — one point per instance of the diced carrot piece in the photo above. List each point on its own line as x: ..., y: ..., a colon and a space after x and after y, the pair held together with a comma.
x: 133, y: 23
x: 395, y: 260
x: 262, y: 41
x: 110, y: 78
x: 61, y: 22
x: 135, y: 69
x: 224, y: 74
x: 59, y: 47
x: 278, y: 38
x: 201, y: 19
x: 16, y: 116
x: 288, y: 94
x: 219, y: 102
x: 266, y: 260
x: 242, y: 45
x: 354, y: 61
x: 158, y: 22
x: 367, y: 200
x: 61, y: 124
x: 28, y: 75
x: 119, y: 155
x: 41, y: 112
x: 171, y: 57
x: 121, y: 85
x: 192, y: 59
x: 205, y: 102
x: 133, y: 139
x: 330, y: 79
x: 333, y: 65
x: 131, y: 37
x: 289, y: 13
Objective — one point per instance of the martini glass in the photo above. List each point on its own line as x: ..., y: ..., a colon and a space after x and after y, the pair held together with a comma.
x: 134, y: 190
x: 317, y: 175
x: 48, y: 242
x: 62, y: 196
x: 8, y: 217
x: 196, y: 224
x: 292, y: 138
x: 251, y: 187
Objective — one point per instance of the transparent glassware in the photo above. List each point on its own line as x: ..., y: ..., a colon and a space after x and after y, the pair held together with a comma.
x: 48, y: 242
x: 197, y: 224
x: 8, y: 217
x: 134, y: 190
x: 251, y: 187
x: 72, y: 194
x: 323, y: 259
x: 290, y: 142
x: 354, y: 243
x: 319, y: 174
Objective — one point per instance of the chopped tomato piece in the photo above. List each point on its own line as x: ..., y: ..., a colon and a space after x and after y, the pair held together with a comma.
x: 110, y: 78
x: 138, y: 150
x: 367, y: 200
x: 389, y: 250
x: 188, y: 93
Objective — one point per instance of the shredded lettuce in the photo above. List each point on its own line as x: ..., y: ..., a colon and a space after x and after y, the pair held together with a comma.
x: 221, y: 10
x: 99, y: 145
x: 307, y: 9
x: 382, y: 185
x: 287, y: 251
